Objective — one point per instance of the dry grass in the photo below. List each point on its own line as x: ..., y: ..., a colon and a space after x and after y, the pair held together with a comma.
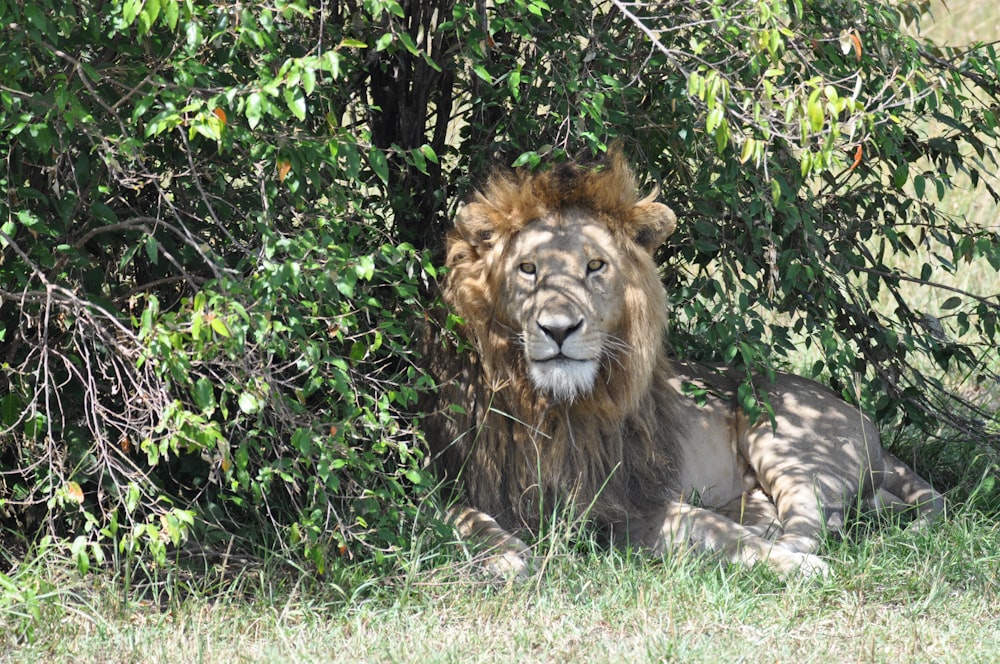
x: 958, y: 23
x: 962, y: 22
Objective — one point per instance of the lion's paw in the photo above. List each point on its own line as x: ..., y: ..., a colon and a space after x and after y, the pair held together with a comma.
x: 508, y: 565
x: 795, y: 565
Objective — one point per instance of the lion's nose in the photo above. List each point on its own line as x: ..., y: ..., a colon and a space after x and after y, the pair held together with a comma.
x: 558, y: 327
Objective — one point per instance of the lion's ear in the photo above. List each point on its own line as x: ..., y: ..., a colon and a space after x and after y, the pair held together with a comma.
x: 475, y: 226
x: 652, y: 224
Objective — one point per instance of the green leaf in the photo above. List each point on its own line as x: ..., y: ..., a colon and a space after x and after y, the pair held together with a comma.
x: 951, y: 303
x: 379, y: 164
x: 308, y: 80
x: 150, y: 12
x: 531, y: 159
x: 775, y: 191
x: 482, y: 73
x: 514, y: 83
x: 10, y: 409
x: 171, y: 10
x: 816, y: 118
x: 695, y: 84
x: 254, y: 109
x: 721, y: 137
x: 152, y: 249
x: 408, y: 42
x: 295, y: 99
x: 900, y: 175
x: 36, y: 17
x: 383, y: 42
x: 130, y: 9
x: 8, y: 229
x: 429, y: 153
x: 714, y: 119
x: 219, y: 327
x: 358, y: 351
x: 249, y: 404
x: 204, y: 395
x: 418, y: 160
x: 78, y: 549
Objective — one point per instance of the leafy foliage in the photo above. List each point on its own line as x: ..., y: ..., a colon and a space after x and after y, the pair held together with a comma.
x: 834, y: 138
x: 218, y: 224
x: 205, y: 325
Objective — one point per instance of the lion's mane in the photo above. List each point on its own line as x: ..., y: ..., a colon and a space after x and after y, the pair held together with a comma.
x: 512, y: 452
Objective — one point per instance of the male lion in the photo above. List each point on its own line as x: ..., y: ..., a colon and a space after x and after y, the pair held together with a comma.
x: 567, y: 399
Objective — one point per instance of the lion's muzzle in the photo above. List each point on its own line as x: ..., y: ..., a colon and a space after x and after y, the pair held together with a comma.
x: 559, y: 326
x: 563, y: 351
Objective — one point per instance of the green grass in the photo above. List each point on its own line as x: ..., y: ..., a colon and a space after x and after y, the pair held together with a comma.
x: 893, y: 596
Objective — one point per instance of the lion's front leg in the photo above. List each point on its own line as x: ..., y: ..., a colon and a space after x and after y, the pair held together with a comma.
x: 686, y: 527
x: 503, y: 555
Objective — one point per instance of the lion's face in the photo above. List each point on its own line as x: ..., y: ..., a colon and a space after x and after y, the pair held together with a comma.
x: 563, y: 292
x: 554, y: 275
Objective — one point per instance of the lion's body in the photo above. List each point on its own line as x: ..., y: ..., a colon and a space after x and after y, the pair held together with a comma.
x: 568, y: 399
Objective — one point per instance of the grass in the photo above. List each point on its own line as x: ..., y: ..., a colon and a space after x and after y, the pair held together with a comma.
x: 962, y: 22
x: 899, y: 596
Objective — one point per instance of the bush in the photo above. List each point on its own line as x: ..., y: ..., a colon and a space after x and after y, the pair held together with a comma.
x: 207, y: 311
x: 219, y: 227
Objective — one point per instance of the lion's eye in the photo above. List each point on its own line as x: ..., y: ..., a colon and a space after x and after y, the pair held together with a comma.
x: 595, y: 265
x: 527, y: 268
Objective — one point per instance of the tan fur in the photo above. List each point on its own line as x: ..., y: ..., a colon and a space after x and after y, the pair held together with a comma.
x: 568, y: 401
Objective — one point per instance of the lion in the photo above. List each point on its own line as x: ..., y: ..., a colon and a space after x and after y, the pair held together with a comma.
x: 561, y: 395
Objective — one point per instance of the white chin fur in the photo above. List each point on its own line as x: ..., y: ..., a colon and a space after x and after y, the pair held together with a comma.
x: 564, y: 379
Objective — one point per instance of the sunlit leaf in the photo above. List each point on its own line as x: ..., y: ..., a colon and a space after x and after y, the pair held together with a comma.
x: 283, y: 166
x: 219, y: 327
x: 254, y: 109
x: 130, y: 9
x: 295, y: 99
x: 74, y: 492
x: 858, y: 155
x: 248, y: 403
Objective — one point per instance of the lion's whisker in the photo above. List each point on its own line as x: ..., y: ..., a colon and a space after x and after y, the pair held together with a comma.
x: 614, y: 347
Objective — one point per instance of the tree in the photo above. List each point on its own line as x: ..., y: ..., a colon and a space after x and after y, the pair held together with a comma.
x: 219, y: 225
